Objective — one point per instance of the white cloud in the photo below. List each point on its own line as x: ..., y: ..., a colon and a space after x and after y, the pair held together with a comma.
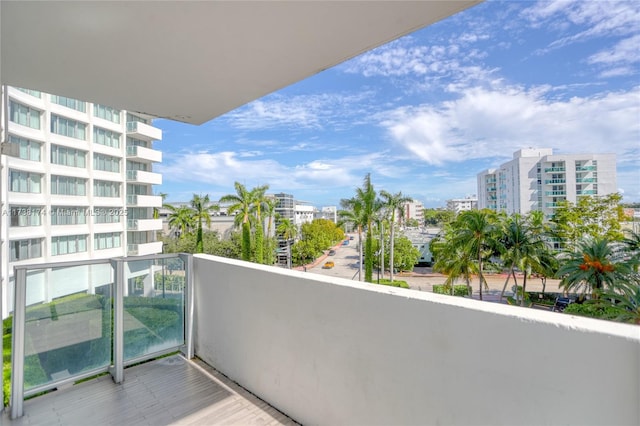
x: 487, y: 123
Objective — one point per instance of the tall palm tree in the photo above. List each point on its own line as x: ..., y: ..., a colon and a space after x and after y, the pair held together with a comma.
x: 370, y: 204
x: 181, y: 219
x: 258, y: 199
x: 593, y: 267
x: 353, y: 213
x: 202, y: 208
x: 476, y: 235
x: 392, y: 202
x: 241, y: 202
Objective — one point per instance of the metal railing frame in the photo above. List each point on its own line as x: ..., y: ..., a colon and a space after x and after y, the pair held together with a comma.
x: 116, y: 369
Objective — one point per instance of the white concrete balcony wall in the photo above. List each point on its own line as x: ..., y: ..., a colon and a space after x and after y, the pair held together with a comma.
x: 144, y: 224
x: 140, y: 176
x: 333, y: 351
x: 144, y: 200
x: 140, y: 153
x: 143, y: 131
x: 144, y: 249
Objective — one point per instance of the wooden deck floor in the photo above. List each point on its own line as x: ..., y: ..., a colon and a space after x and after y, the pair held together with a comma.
x: 168, y: 391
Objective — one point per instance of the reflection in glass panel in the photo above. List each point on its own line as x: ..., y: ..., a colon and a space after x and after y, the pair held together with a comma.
x: 68, y: 322
x: 154, y: 306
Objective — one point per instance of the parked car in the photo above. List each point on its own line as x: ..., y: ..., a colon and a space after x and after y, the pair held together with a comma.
x: 345, y: 243
x: 351, y: 237
x: 332, y: 252
x: 328, y: 265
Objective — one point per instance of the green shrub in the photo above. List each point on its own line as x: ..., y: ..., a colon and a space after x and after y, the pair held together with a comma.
x: 592, y: 310
x: 395, y: 283
x: 458, y: 290
x: 543, y: 298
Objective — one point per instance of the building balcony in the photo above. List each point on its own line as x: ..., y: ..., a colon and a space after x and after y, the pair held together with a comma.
x: 143, y: 131
x: 586, y: 168
x: 586, y: 180
x: 140, y: 176
x: 555, y: 193
x: 314, y: 347
x: 587, y: 192
x: 140, y: 153
x: 144, y: 224
x: 144, y: 249
x: 554, y: 181
x: 144, y: 200
x: 555, y: 170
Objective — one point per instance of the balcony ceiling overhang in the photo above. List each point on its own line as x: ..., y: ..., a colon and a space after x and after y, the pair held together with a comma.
x: 193, y: 61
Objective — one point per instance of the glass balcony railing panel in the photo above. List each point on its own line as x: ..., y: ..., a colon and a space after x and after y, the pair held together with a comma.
x: 555, y: 181
x: 552, y: 193
x: 154, y: 306
x: 586, y: 168
x: 586, y: 180
x: 67, y: 323
x: 554, y: 169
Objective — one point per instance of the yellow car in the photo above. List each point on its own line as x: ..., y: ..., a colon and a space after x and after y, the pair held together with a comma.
x: 328, y: 265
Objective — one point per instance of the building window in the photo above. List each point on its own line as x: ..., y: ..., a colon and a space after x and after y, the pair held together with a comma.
x: 68, y: 244
x: 24, y: 115
x: 69, y: 103
x: 106, y: 137
x: 107, y: 240
x: 106, y: 113
x: 103, y: 188
x: 106, y: 215
x: 134, y: 118
x: 25, y: 216
x: 67, y: 185
x: 137, y: 142
x: 25, y: 182
x: 28, y: 149
x: 34, y: 93
x: 25, y: 249
x: 63, y: 215
x: 106, y: 163
x: 67, y: 127
x: 68, y: 156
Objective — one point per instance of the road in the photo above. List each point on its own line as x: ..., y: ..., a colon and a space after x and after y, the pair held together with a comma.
x: 421, y: 278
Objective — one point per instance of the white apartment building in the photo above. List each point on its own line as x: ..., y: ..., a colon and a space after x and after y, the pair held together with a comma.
x: 414, y: 210
x: 462, y: 204
x: 536, y: 179
x: 75, y: 182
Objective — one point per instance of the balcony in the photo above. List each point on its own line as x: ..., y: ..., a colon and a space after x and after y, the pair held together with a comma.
x: 555, y: 193
x: 554, y: 181
x: 586, y: 180
x: 323, y: 350
x: 140, y: 153
x: 144, y: 249
x: 586, y: 168
x: 144, y: 200
x: 587, y: 192
x: 140, y: 176
x: 555, y: 170
x: 143, y: 131
x: 144, y: 224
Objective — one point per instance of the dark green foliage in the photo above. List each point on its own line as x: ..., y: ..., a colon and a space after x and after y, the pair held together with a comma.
x: 592, y: 310
x: 458, y: 290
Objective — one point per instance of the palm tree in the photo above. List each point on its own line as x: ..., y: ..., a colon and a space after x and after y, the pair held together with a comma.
x: 202, y: 208
x: 258, y: 199
x: 181, y: 219
x: 352, y: 213
x: 392, y: 202
x: 370, y: 204
x: 593, y: 267
x: 476, y: 235
x: 241, y: 202
x: 450, y: 259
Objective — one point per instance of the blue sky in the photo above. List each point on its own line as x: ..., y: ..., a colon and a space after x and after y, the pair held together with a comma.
x: 425, y: 113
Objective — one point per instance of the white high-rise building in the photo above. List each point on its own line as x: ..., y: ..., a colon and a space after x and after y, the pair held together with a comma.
x: 75, y: 181
x: 537, y: 179
x: 462, y: 204
x: 414, y: 210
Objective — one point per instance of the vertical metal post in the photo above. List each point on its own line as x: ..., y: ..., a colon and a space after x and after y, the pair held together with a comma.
x: 17, y: 351
x: 117, y: 371
x: 189, y: 308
